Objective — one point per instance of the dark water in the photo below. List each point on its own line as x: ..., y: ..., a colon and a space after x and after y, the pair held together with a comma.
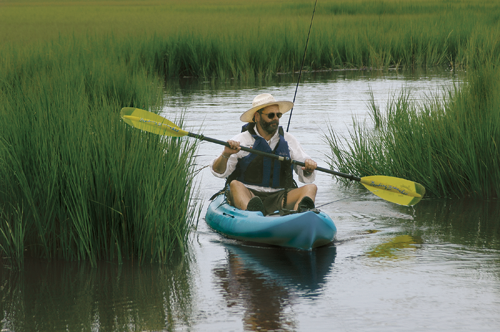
x: 434, y: 267
x: 61, y: 296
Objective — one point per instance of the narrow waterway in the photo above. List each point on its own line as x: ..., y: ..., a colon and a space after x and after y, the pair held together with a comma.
x: 434, y: 267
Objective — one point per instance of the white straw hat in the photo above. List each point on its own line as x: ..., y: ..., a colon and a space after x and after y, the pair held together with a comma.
x: 263, y: 100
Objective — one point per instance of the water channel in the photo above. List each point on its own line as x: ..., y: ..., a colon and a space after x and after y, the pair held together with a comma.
x: 434, y: 267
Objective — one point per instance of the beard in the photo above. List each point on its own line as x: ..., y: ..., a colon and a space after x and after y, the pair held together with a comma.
x: 269, y: 127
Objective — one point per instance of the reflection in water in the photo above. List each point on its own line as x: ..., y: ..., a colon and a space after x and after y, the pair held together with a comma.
x: 469, y: 222
x: 472, y: 223
x: 62, y: 296
x: 265, y: 282
x: 393, y: 248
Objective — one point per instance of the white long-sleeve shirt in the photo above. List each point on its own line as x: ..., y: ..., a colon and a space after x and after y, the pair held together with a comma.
x: 247, y: 140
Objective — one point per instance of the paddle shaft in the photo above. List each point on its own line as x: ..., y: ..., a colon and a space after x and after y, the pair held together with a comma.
x: 391, y: 189
x: 273, y: 156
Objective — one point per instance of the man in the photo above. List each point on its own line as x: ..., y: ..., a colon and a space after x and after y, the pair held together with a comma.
x: 258, y: 183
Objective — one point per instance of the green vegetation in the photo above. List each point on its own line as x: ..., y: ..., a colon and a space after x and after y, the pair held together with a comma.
x: 450, y: 145
x: 244, y: 39
x: 76, y: 183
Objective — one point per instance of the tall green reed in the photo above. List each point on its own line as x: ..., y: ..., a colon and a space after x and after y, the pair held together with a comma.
x: 77, y: 182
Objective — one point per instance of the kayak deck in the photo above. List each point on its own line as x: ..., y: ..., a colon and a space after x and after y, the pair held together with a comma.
x: 305, y: 231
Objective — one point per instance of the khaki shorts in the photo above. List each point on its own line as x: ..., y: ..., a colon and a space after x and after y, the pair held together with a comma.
x: 272, y: 201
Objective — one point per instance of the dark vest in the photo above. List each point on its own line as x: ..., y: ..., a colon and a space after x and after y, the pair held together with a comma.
x: 263, y: 171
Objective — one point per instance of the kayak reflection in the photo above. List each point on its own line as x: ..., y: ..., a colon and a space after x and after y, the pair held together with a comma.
x: 265, y: 281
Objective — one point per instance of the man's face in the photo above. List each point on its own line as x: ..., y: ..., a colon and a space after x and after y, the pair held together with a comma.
x: 267, y: 124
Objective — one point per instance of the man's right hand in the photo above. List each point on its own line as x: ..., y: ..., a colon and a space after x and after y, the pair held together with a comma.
x: 220, y: 163
x: 234, y: 148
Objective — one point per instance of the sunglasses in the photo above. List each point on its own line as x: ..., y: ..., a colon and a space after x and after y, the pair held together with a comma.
x: 270, y: 116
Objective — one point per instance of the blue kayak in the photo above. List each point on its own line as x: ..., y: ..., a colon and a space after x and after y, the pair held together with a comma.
x: 306, y: 230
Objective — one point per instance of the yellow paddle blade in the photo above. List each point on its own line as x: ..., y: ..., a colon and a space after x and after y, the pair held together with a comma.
x: 395, y: 190
x: 151, y: 122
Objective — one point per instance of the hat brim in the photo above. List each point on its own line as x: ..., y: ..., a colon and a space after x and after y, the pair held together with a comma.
x: 284, y: 106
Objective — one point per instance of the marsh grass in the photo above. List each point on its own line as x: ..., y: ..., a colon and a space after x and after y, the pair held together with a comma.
x: 449, y: 145
x: 78, y: 183
x: 247, y: 40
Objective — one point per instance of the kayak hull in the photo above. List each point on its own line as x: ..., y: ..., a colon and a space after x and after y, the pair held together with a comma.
x: 305, y: 231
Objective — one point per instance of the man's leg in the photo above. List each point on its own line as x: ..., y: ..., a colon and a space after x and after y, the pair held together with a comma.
x: 295, y: 195
x: 240, y: 195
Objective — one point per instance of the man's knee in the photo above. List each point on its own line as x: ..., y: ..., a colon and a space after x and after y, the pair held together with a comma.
x: 236, y: 186
x: 311, y: 188
x: 238, y: 189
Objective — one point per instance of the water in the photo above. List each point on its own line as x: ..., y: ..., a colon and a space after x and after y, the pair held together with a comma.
x: 434, y: 267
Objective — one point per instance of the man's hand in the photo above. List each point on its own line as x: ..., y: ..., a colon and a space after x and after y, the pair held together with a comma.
x: 220, y: 163
x: 310, y: 166
x: 234, y: 148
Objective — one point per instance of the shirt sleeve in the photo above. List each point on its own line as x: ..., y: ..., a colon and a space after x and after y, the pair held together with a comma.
x: 298, y: 154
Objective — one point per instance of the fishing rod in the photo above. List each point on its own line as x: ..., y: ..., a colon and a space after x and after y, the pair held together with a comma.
x: 302, y: 66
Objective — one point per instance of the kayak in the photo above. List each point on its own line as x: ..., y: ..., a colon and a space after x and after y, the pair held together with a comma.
x: 305, y: 230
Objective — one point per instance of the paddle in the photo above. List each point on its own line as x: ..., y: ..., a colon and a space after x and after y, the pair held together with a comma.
x: 395, y: 190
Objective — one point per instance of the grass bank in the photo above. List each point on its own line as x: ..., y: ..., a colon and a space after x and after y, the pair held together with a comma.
x: 448, y: 144
x: 242, y: 39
